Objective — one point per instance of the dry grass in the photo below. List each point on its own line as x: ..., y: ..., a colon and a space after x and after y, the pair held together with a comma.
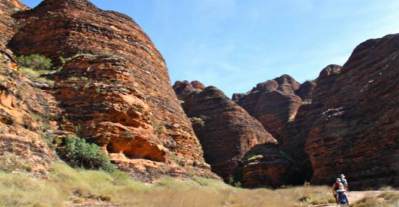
x: 10, y: 162
x: 66, y: 184
x: 309, y: 195
x: 388, y: 199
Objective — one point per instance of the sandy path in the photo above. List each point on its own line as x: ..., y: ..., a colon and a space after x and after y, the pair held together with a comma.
x: 355, y: 196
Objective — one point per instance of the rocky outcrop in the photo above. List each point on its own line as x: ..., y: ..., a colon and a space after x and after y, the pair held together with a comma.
x: 226, y: 131
x: 352, y: 122
x: 305, y: 91
x: 23, y: 108
x: 294, y: 136
x: 268, y: 166
x: 345, y: 123
x: 99, y: 102
x: 7, y: 22
x: 24, y: 112
x: 274, y: 103
x: 113, y: 88
x: 350, y: 125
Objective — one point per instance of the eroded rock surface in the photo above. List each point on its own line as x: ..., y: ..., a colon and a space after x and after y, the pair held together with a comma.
x: 274, y: 103
x: 353, y: 123
x: 23, y: 108
x: 226, y: 131
x: 268, y: 166
x: 24, y: 112
x: 7, y: 22
x: 306, y: 91
x: 113, y: 87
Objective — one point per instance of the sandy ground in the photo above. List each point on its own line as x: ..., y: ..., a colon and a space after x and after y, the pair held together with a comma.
x: 355, y: 196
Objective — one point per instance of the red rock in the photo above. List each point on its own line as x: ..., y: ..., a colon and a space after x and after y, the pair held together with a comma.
x: 226, y: 131
x: 267, y: 166
x: 274, y: 103
x: 294, y: 135
x: 22, y: 108
x: 7, y: 23
x: 353, y: 116
x: 306, y: 90
x: 114, y: 87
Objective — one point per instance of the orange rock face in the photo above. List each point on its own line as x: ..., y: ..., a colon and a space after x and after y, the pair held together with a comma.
x: 22, y: 123
x: 114, y: 87
x: 98, y: 97
x: 22, y: 108
x: 7, y: 23
x: 226, y: 131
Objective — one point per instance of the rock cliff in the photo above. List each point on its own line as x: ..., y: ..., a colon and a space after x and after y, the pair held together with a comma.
x: 352, y: 121
x: 342, y: 122
x: 22, y: 108
x: 349, y: 126
x: 294, y: 135
x: 112, y: 88
x: 226, y: 131
x: 7, y: 22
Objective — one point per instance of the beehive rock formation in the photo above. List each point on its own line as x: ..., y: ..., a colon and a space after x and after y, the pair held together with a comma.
x: 349, y: 126
x: 345, y: 123
x: 113, y: 88
x: 294, y: 135
x: 226, y: 131
x: 352, y: 121
x: 274, y: 103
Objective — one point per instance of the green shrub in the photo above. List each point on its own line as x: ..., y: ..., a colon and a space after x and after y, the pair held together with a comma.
x: 78, y: 153
x: 35, y: 61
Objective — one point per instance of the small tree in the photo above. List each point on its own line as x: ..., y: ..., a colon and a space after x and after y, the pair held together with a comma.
x: 78, y: 153
x: 35, y: 61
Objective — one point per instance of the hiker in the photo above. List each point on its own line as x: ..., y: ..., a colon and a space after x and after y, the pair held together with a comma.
x: 335, y: 187
x: 344, y: 182
x: 339, y: 193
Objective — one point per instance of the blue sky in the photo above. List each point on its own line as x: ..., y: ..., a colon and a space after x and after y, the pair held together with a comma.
x: 234, y: 44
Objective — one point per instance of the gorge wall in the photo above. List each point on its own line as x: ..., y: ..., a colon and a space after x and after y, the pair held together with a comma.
x: 21, y: 106
x: 236, y: 145
x: 341, y: 122
x: 112, y: 87
x: 353, y: 117
x: 345, y: 122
